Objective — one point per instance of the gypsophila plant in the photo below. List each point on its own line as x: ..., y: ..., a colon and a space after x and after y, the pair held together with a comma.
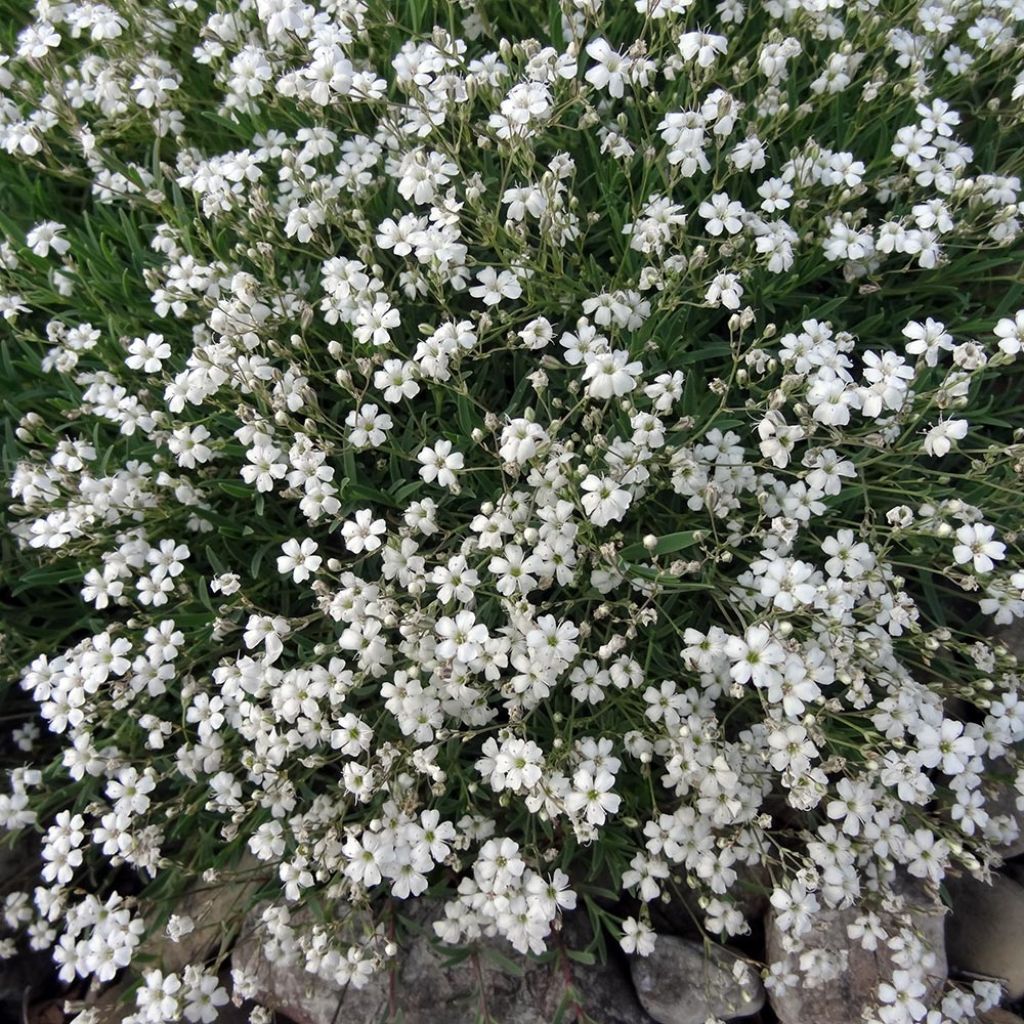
x: 508, y: 452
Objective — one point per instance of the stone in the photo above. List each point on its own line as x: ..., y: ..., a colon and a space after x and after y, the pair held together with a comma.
x: 117, y: 1002
x: 1012, y: 638
x: 217, y: 910
x: 511, y: 989
x: 28, y: 975
x: 23, y: 979
x: 985, y: 935
x: 843, y: 999
x: 999, y: 1016
x: 1001, y: 799
x: 684, y: 982
x: 684, y: 916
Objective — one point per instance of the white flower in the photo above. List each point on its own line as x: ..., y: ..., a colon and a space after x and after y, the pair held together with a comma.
x: 721, y: 214
x: 848, y: 243
x: 148, y: 354
x: 178, y: 926
x: 637, y: 937
x: 440, y: 463
x: 939, y: 440
x: 847, y: 557
x: 927, y: 339
x: 945, y: 747
x: 610, y: 373
x: 265, y: 468
x: 203, y: 998
x: 462, y: 637
x: 37, y: 39
x: 517, y: 570
x: 592, y: 795
x: 298, y: 559
x: 363, y: 533
x: 1011, y: 333
x: 906, y: 993
x: 455, y: 581
x: 521, y: 440
x: 269, y: 631
x: 832, y: 400
x: 368, y: 426
x: 46, y: 236
x: 975, y: 544
x: 537, y: 334
x: 702, y: 47
x: 396, y: 380
x: 604, y: 500
x: 499, y: 864
x: 925, y: 854
x: 159, y: 998
x: 794, y: 908
x: 374, y: 323
x: 754, y: 656
x: 778, y: 438
x: 724, y: 290
x: 226, y: 583
x: 610, y: 71
x: 494, y: 287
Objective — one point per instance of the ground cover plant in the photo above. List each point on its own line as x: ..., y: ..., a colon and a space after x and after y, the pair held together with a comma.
x: 507, y: 452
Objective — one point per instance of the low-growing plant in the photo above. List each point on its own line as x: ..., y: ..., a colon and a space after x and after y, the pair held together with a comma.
x: 508, y: 452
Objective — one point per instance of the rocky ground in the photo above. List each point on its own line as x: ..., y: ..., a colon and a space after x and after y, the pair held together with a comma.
x: 684, y: 982
x: 979, y: 934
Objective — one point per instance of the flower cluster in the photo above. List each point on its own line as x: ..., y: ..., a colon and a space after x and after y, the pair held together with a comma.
x: 512, y: 465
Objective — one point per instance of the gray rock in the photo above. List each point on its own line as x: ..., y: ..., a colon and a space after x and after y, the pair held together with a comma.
x: 685, y: 982
x: 1004, y: 800
x: 425, y: 987
x: 985, y: 935
x: 998, y: 1016
x: 1012, y: 638
x: 843, y: 999
x: 217, y: 909
x: 683, y: 914
x: 1001, y: 799
x: 307, y: 998
x: 22, y: 976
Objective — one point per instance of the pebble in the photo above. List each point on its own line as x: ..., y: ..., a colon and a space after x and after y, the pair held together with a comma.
x: 684, y: 982
x: 985, y: 934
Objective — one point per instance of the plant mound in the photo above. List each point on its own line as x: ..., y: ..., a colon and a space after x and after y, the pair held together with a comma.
x: 509, y: 452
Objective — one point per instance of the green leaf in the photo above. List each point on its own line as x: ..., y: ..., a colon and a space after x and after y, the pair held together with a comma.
x: 452, y: 956
x: 670, y: 542
x: 663, y: 579
x: 257, y: 561
x: 204, y: 595
x: 47, y: 577
x: 563, y: 1008
x: 581, y: 956
x: 507, y: 965
x: 214, y: 559
x: 465, y: 412
x: 348, y: 462
x: 234, y: 488
x: 362, y: 492
x: 402, y: 490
